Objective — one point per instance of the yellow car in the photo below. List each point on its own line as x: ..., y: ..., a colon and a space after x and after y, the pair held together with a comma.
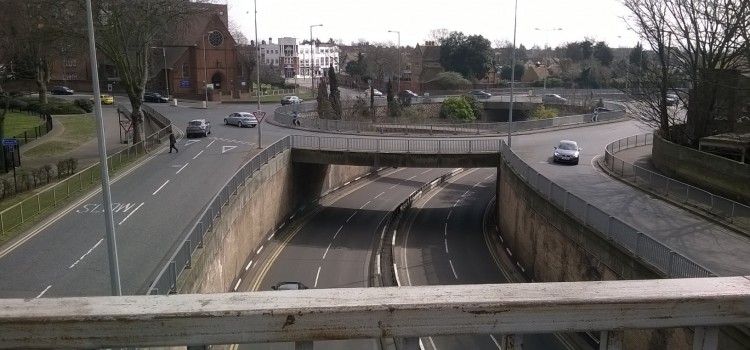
x: 106, y: 99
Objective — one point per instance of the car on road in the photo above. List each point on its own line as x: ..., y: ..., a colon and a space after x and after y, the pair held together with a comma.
x: 407, y: 94
x: 672, y: 100
x: 106, y: 99
x: 154, y: 97
x: 567, y: 151
x: 241, y: 119
x: 554, y: 99
x: 290, y: 100
x: 375, y: 92
x: 199, y: 127
x: 289, y: 286
x: 61, y: 90
x: 480, y: 94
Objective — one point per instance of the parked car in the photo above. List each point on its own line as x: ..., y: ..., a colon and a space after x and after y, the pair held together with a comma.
x: 200, y: 127
x: 672, y: 100
x: 61, y: 90
x: 407, y: 93
x: 290, y: 100
x: 480, y: 94
x: 106, y: 99
x: 553, y: 99
x: 567, y: 151
x: 241, y: 119
x: 375, y: 92
x: 154, y: 97
x: 289, y: 286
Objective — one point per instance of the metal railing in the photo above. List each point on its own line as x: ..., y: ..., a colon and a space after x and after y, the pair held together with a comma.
x: 61, y: 191
x: 283, y: 115
x: 723, y: 208
x: 181, y: 258
x: 32, y: 134
x: 643, y: 247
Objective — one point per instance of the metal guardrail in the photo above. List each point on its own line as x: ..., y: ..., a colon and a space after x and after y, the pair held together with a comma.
x: 723, y: 208
x: 58, y: 193
x: 284, y: 115
x: 181, y: 258
x: 643, y: 247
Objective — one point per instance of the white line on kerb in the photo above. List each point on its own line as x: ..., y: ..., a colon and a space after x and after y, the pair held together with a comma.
x: 131, y: 213
x: 160, y: 187
x: 326, y: 253
x: 87, y: 253
x: 454, y: 270
x: 316, y: 277
x: 183, y: 167
x: 237, y: 285
x: 199, y: 153
x: 44, y: 291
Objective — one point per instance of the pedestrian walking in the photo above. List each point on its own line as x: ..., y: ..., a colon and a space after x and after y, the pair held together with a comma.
x: 172, y: 142
x: 295, y: 119
x: 595, y: 116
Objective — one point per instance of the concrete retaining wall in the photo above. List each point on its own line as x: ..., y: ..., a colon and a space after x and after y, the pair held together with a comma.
x: 704, y: 170
x: 266, y: 201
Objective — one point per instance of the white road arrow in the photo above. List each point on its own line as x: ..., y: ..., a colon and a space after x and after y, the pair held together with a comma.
x: 224, y: 149
x: 190, y: 142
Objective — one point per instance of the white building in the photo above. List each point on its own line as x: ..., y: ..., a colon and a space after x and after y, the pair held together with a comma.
x: 293, y: 60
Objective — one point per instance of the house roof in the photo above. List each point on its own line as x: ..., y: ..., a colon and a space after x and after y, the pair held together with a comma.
x: 429, y: 52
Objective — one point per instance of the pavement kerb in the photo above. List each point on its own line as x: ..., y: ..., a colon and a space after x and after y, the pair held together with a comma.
x: 692, y: 209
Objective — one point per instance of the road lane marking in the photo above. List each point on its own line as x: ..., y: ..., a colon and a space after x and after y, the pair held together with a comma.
x: 411, y: 177
x: 87, y: 253
x: 160, y: 187
x: 225, y: 149
x: 183, y: 167
x: 446, y: 246
x: 453, y: 269
x: 449, y: 215
x: 376, y: 197
x: 259, y: 250
x: 316, y: 277
x: 248, y: 265
x: 445, y: 229
x: 199, y: 153
x: 364, y: 205
x: 190, y: 142
x: 326, y: 253
x: 426, y: 171
x: 355, y: 213
x: 210, y: 143
x: 131, y: 213
x: 337, y: 232
x: 44, y: 291
x: 237, y: 284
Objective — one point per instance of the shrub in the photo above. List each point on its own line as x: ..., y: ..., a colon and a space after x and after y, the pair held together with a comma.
x: 14, y: 103
x: 450, y: 80
x: 60, y: 108
x: 84, y: 104
x: 476, y: 107
x: 456, y: 108
x: 543, y: 112
x: 7, y: 187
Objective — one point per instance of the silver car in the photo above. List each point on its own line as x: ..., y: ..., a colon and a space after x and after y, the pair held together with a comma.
x: 290, y: 100
x: 241, y: 119
x: 567, y: 151
x: 199, y: 127
x: 554, y: 99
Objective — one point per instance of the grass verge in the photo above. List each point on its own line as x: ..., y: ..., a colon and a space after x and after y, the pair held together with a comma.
x: 16, y: 123
x: 78, y: 129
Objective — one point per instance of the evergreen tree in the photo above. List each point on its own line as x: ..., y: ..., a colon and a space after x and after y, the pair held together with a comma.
x: 394, y: 109
x: 335, y: 96
x: 324, y: 105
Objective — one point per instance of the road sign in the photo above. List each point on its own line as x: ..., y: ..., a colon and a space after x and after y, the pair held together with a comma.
x: 259, y: 115
x: 10, y: 142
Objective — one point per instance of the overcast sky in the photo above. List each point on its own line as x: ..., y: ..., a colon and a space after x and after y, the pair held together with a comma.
x: 350, y: 20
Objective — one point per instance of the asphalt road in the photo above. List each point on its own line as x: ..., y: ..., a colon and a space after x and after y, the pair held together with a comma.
x: 334, y: 247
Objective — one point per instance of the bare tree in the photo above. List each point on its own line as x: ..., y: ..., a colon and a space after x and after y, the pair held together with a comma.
x: 237, y: 34
x: 691, y: 41
x: 381, y: 59
x: 437, y: 35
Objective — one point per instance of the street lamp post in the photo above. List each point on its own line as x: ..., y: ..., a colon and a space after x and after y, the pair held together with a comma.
x: 312, y: 59
x: 205, y: 71
x: 399, y: 56
x: 512, y: 73
x: 257, y: 64
x: 166, y: 77
x: 546, y: 44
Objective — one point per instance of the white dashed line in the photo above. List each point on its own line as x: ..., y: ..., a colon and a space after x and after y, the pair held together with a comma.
x: 238, y: 284
x: 449, y: 215
x: 131, y: 213
x: 248, y: 265
x: 376, y: 197
x: 183, y: 167
x: 364, y: 205
x: 445, y: 229
x: 199, y: 153
x: 87, y: 253
x: 337, y: 232
x: 446, y: 246
x: 355, y: 213
x: 210, y: 143
x: 160, y: 187
x: 316, y: 277
x: 259, y: 250
x: 44, y: 291
x: 326, y: 253
x: 453, y: 269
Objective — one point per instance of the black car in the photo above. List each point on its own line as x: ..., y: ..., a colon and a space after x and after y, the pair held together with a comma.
x: 61, y: 90
x: 407, y: 94
x: 480, y: 94
x: 289, y: 286
x: 154, y: 97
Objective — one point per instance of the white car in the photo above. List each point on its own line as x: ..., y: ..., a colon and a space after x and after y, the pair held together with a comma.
x: 290, y: 100
x: 241, y: 119
x: 376, y: 93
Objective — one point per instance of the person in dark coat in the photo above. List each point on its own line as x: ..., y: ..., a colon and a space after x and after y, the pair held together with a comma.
x: 172, y: 142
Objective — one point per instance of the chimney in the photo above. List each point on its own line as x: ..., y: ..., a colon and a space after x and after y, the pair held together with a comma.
x: 270, y: 40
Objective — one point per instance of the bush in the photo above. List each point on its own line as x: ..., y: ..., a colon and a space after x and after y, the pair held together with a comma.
x: 543, y: 112
x: 476, y: 107
x: 14, y: 104
x: 456, y: 108
x: 450, y: 80
x: 83, y: 104
x: 60, y: 108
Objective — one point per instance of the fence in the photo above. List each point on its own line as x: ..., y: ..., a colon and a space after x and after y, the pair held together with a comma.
x: 643, y: 247
x: 725, y: 209
x: 284, y: 115
x: 34, y: 133
x: 58, y: 193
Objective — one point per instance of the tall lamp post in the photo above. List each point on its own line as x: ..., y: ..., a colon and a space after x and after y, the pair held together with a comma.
x: 312, y: 58
x: 205, y: 71
x: 257, y: 66
x: 399, y: 57
x: 114, y: 269
x: 546, y: 30
x: 512, y: 73
x: 166, y: 77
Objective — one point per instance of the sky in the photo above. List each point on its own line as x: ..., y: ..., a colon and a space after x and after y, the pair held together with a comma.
x: 351, y: 20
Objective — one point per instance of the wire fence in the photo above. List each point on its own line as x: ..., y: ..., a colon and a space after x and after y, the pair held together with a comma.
x: 725, y: 209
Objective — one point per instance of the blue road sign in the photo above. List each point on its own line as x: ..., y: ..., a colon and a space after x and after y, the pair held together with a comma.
x: 10, y: 142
